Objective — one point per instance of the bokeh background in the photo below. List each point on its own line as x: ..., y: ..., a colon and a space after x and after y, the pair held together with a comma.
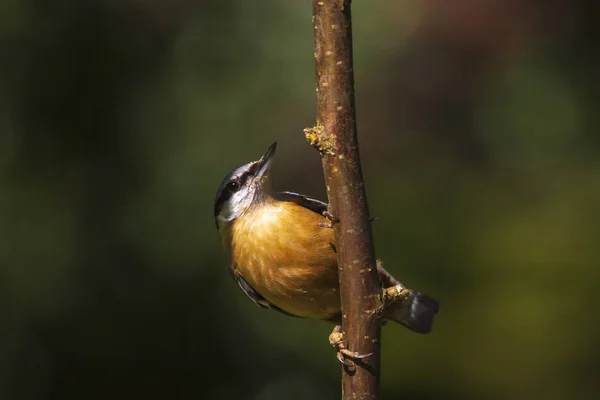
x: 478, y: 125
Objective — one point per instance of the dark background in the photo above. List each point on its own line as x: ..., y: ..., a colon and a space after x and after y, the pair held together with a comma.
x: 478, y: 125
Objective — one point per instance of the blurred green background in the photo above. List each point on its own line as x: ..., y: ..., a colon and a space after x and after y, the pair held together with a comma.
x: 478, y: 125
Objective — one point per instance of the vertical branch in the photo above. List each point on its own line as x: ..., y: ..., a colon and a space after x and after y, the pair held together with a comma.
x: 336, y: 137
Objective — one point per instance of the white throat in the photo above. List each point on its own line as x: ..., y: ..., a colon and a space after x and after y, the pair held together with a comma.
x: 237, y: 205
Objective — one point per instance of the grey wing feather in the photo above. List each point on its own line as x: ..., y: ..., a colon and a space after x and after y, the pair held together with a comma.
x: 315, y: 205
x: 245, y: 286
x: 250, y: 292
x: 255, y: 296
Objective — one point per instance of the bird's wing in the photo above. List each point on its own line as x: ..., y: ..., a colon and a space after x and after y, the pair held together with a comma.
x: 315, y: 205
x: 255, y: 296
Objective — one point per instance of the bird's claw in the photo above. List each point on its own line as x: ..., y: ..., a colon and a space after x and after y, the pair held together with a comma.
x: 332, y: 220
x: 345, y: 356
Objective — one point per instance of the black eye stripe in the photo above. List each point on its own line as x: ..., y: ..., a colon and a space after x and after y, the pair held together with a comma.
x: 230, y: 188
x: 233, y: 185
x: 223, y: 197
x: 244, y: 178
x: 240, y: 175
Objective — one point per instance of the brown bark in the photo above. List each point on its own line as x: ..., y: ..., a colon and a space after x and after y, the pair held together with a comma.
x: 335, y: 135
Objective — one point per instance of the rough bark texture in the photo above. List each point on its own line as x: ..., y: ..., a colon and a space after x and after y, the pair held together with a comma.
x: 335, y: 135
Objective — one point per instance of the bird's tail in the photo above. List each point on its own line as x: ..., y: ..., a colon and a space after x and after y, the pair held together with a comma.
x: 414, y: 310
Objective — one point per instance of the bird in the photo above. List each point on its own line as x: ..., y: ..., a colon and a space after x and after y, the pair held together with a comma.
x: 281, y: 251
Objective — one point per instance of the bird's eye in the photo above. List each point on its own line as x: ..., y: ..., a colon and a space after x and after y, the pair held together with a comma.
x: 233, y: 186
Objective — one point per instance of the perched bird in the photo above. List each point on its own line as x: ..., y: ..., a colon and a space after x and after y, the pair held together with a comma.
x: 282, y: 252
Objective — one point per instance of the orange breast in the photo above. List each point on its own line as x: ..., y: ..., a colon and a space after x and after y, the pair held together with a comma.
x: 283, y: 253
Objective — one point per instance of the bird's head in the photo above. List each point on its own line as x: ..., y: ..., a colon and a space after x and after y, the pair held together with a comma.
x: 244, y: 188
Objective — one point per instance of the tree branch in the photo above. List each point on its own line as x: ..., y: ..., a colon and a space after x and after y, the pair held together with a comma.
x: 335, y: 136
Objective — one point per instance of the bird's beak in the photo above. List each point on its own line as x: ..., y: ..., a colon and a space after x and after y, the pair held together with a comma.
x: 264, y: 164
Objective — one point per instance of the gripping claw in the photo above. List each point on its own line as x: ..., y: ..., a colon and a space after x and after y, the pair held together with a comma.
x: 345, y: 356
x: 332, y: 220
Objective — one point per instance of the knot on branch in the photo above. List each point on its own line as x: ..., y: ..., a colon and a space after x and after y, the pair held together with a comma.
x: 319, y: 140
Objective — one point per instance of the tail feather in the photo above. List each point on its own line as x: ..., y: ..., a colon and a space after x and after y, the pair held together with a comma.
x: 416, y: 312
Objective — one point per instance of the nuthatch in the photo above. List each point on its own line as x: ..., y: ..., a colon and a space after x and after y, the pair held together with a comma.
x: 282, y: 253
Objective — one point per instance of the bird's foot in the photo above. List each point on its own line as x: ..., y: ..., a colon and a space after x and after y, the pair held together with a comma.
x: 332, y: 220
x: 345, y: 356
x: 393, y: 295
